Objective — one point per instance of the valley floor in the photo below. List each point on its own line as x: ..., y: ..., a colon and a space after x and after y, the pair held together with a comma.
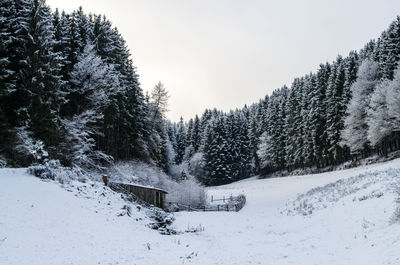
x: 342, y: 217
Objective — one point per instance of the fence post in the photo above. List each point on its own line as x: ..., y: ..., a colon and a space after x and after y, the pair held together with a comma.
x: 212, y: 198
x: 224, y: 199
x: 218, y: 207
x: 105, y: 180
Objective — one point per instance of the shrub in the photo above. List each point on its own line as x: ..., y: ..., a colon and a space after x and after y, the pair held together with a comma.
x: 52, y: 169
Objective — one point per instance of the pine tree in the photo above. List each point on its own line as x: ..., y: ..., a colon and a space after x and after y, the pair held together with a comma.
x: 318, y: 118
x: 388, y: 51
x: 291, y: 126
x: 216, y: 153
x: 62, y: 30
x: 335, y: 110
x: 38, y: 95
x: 180, y: 142
x: 253, y: 134
x: 7, y: 83
x: 243, y: 142
x: 196, y: 134
x: 307, y: 112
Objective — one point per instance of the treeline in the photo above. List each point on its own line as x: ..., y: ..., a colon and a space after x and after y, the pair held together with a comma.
x: 69, y: 93
x: 217, y: 148
x: 312, y: 123
x: 348, y: 109
x: 68, y: 90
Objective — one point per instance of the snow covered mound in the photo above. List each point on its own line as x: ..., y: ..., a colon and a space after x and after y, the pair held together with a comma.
x: 76, y: 223
x: 368, y: 185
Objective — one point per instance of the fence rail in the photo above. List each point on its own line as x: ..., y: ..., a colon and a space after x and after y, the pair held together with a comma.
x: 234, y: 204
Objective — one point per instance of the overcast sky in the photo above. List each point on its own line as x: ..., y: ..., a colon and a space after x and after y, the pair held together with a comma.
x: 227, y: 53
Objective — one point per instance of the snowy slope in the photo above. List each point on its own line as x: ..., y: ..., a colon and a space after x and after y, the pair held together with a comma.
x: 349, y: 223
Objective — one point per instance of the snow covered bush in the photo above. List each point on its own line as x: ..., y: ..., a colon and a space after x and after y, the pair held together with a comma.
x: 196, y: 165
x: 188, y: 191
x: 365, y: 186
x: 3, y: 162
x: 29, y: 149
x: 52, y: 169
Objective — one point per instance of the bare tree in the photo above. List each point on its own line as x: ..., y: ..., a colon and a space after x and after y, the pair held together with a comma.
x: 159, y: 100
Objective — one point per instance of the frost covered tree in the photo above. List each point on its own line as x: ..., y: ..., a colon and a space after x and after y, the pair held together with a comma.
x: 378, y: 119
x: 393, y: 104
x: 159, y: 101
x: 265, y: 151
x: 157, y: 143
x: 355, y: 133
x: 93, y: 82
x: 393, y: 100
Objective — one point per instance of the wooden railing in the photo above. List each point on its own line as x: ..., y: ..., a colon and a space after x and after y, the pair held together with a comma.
x: 233, y: 204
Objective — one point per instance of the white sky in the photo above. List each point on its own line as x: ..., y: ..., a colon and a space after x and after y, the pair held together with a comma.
x: 227, y: 53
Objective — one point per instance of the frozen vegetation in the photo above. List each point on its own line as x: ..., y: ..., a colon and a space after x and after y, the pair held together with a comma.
x: 187, y: 191
x: 342, y: 217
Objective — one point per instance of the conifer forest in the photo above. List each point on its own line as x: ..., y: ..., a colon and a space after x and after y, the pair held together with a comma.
x: 70, y: 96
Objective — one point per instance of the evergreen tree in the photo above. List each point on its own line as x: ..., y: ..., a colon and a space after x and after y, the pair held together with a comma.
x: 388, y: 49
x: 7, y: 82
x: 216, y: 153
x: 38, y: 95
x: 196, y: 134
x: 253, y: 135
x: 291, y: 127
x: 180, y: 142
x: 335, y: 110
x: 318, y: 118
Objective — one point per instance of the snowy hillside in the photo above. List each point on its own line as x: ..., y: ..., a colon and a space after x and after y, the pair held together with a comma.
x: 343, y: 217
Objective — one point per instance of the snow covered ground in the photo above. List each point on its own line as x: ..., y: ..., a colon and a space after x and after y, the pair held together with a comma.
x: 342, y: 217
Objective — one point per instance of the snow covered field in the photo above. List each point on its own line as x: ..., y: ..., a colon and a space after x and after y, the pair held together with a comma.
x: 342, y: 217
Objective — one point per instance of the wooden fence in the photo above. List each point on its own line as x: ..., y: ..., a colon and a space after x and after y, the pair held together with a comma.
x: 234, y: 204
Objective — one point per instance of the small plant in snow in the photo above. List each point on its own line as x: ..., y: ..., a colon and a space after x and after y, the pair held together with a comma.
x: 195, y: 229
x: 396, y: 216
